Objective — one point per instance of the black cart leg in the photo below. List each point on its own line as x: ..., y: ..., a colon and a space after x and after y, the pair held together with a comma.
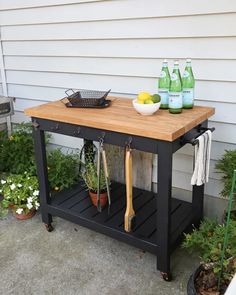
x: 197, y: 204
x: 164, y: 208
x: 41, y: 163
x: 198, y: 197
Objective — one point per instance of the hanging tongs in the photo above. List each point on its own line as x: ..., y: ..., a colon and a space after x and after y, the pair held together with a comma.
x: 129, y: 218
x: 102, y: 156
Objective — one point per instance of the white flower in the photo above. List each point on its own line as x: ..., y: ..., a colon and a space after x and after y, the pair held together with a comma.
x: 29, y: 206
x: 12, y: 186
x: 30, y: 200
x: 35, y: 193
x: 30, y: 188
x: 0, y: 190
x: 19, y: 211
x: 3, y: 181
x: 19, y: 185
x: 37, y: 205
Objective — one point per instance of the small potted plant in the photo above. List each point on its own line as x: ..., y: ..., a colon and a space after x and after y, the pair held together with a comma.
x: 227, y: 165
x: 21, y: 193
x: 207, y: 241
x: 90, y: 178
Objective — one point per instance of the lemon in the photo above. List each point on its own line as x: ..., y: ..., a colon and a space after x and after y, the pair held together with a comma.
x: 148, y: 101
x: 156, y: 98
x: 143, y: 96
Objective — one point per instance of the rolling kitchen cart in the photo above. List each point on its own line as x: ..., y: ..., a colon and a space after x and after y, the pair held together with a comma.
x: 160, y: 219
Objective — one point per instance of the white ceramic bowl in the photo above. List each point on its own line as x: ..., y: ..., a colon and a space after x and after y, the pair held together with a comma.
x: 146, y: 109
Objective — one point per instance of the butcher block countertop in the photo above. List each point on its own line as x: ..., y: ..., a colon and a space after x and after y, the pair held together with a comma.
x: 121, y: 117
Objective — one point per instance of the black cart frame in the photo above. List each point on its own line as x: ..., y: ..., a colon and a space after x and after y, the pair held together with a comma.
x: 161, y: 219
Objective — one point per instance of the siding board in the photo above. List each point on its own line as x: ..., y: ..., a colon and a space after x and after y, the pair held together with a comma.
x: 217, y: 150
x: 186, y: 164
x: 98, y: 10
x: 201, y: 26
x: 22, y: 4
x: 156, y: 48
x: 146, y: 67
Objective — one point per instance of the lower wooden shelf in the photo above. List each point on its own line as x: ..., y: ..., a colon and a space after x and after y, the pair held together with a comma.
x: 75, y: 205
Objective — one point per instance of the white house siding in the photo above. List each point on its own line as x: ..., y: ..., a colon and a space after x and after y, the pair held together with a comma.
x: 51, y: 45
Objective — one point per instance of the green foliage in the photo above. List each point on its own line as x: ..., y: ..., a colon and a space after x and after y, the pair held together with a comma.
x: 20, y: 191
x: 89, y: 173
x: 17, y: 151
x: 207, y: 241
x: 17, y: 156
x: 62, y: 169
x: 3, y: 211
x: 227, y: 165
x: 90, y: 177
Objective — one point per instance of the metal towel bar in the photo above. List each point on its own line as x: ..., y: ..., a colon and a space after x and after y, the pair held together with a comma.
x: 192, y: 139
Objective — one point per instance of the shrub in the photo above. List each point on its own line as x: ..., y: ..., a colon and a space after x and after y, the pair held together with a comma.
x: 17, y: 151
x: 17, y: 157
x: 227, y: 165
x: 207, y: 241
x: 62, y: 169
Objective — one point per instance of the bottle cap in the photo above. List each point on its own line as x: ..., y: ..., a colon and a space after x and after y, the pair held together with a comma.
x: 165, y: 63
x: 188, y: 60
x: 176, y: 63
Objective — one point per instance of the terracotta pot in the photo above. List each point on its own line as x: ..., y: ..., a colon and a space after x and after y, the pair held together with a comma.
x: 103, y: 198
x: 25, y: 216
x: 11, y: 206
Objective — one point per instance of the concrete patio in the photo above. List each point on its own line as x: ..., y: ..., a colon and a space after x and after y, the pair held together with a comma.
x: 74, y: 260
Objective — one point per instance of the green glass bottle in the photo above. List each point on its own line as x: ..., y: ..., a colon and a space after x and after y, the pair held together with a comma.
x: 188, y: 86
x: 164, y: 85
x: 175, y: 93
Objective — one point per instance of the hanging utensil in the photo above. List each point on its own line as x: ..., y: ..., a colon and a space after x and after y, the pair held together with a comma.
x: 99, y: 177
x: 129, y: 213
x: 106, y: 174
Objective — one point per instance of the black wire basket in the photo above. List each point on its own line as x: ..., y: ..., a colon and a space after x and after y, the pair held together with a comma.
x: 85, y: 98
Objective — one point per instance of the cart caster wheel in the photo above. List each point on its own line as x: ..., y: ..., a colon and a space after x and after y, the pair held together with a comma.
x: 166, y: 276
x: 49, y: 227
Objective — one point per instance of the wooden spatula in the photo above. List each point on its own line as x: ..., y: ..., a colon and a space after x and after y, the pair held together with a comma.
x: 129, y: 213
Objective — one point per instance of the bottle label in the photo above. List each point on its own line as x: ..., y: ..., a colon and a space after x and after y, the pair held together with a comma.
x: 163, y: 74
x: 175, y: 100
x: 164, y: 94
x: 188, y: 96
x: 185, y: 74
x: 174, y: 77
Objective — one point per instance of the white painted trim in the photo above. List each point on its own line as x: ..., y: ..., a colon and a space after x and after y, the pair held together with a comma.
x: 2, y: 67
x: 4, y: 82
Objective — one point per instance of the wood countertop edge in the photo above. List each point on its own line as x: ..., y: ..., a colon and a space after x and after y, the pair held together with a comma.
x: 200, y: 120
x: 161, y: 136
